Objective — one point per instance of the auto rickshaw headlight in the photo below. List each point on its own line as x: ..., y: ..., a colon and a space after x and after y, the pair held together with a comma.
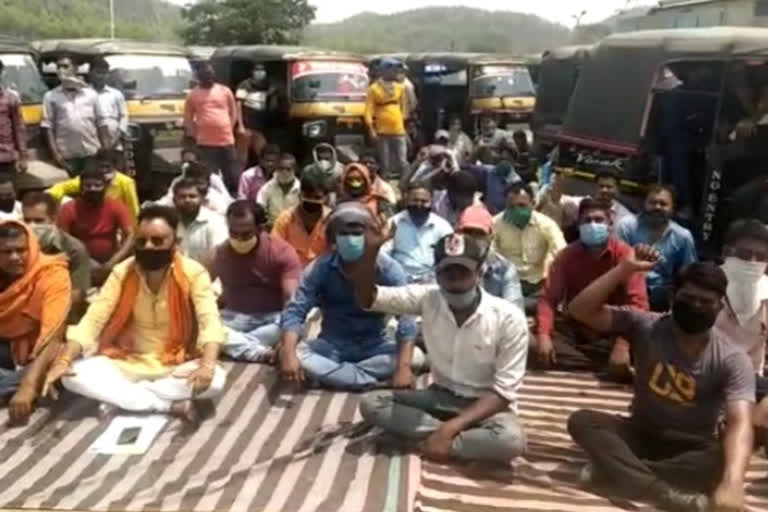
x: 315, y: 129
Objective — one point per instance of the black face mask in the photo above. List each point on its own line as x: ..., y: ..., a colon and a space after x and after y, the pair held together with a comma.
x: 692, y: 320
x: 311, y: 207
x: 93, y: 198
x: 655, y: 219
x: 6, y: 205
x: 153, y: 259
x: 419, y: 214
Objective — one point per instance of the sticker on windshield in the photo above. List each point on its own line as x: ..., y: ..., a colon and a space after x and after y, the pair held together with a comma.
x: 313, y: 67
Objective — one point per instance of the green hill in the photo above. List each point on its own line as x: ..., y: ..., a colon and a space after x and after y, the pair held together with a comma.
x: 440, y: 28
x: 137, y: 19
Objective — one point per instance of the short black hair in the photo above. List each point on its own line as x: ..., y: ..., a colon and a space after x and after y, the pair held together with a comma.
x: 462, y: 181
x: 271, y: 149
x: 11, y: 230
x: 100, y: 63
x: 418, y: 185
x: 311, y: 184
x: 185, y: 183
x: 589, y: 204
x: 658, y: 188
x: 105, y: 157
x: 517, y: 187
x: 706, y: 275
x: 158, y: 211
x: 746, y: 229
x: 288, y: 156
x: 35, y: 197
x: 244, y: 207
x: 520, y: 133
x: 196, y: 169
x: 6, y: 177
x: 92, y: 171
x: 607, y: 173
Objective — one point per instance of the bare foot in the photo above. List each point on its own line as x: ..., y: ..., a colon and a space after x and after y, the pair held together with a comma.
x: 187, y: 412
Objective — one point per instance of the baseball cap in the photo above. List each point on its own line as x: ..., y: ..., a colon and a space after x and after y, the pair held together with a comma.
x: 476, y: 217
x: 457, y: 249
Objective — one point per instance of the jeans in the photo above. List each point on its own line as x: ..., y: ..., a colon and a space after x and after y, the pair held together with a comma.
x: 531, y: 294
x: 347, y: 364
x: 644, y: 463
x: 10, y: 376
x: 393, y: 154
x: 249, y: 337
x: 416, y: 414
x: 224, y: 159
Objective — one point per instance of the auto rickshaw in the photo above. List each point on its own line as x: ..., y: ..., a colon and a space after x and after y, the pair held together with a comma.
x: 199, y: 54
x: 315, y: 95
x: 687, y: 107
x: 23, y: 77
x: 558, y: 73
x: 533, y: 63
x: 154, y: 78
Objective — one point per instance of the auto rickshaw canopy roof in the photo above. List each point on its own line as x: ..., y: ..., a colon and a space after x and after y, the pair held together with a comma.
x: 264, y: 53
x: 558, y: 74
x: 101, y: 47
x: 609, y: 102
x: 9, y: 44
x: 200, y: 53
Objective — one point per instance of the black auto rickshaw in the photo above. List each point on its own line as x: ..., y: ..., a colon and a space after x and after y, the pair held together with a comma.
x: 533, y: 63
x: 685, y: 106
x: 558, y: 72
x: 315, y: 95
x: 154, y: 78
x: 22, y: 76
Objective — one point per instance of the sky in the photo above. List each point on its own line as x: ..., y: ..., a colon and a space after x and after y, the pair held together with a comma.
x: 561, y: 11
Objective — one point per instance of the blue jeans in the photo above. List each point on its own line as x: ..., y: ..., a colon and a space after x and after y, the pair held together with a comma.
x: 249, y: 337
x: 347, y: 364
x: 9, y: 381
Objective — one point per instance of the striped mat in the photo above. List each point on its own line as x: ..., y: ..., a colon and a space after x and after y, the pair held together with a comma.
x: 262, y: 451
x: 547, y: 479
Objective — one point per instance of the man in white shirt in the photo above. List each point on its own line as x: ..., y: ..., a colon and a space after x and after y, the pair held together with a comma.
x: 112, y: 103
x: 10, y: 207
x: 477, y: 346
x: 216, y: 197
x: 200, y: 230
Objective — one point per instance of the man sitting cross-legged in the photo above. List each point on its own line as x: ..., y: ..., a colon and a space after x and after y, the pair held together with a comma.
x: 35, y: 296
x: 151, y: 337
x: 687, y: 373
x: 477, y: 346
x: 353, y: 350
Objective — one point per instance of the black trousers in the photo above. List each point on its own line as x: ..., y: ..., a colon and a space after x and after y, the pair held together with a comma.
x: 643, y: 463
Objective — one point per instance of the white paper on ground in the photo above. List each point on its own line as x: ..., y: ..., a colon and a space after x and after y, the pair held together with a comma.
x: 150, y: 426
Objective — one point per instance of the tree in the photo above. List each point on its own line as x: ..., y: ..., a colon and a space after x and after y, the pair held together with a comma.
x: 223, y: 22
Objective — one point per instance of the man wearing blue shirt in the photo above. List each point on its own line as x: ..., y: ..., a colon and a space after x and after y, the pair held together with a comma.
x: 417, y: 231
x: 673, y: 242
x: 353, y: 350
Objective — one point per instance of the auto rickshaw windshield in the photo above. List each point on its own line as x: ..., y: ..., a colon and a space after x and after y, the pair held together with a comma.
x: 21, y: 75
x: 150, y: 76
x: 500, y: 81
x: 329, y: 81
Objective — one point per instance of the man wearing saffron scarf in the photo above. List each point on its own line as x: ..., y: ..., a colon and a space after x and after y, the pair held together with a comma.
x: 151, y: 338
x: 35, y: 294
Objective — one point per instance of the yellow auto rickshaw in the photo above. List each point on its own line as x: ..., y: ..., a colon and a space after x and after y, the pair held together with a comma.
x: 154, y: 78
x: 501, y: 86
x: 314, y: 95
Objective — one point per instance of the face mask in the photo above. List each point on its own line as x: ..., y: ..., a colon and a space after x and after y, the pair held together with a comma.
x: 460, y: 300
x: 744, y: 272
x: 311, y: 206
x: 692, y: 320
x: 593, y: 234
x: 356, y: 188
x: 324, y: 165
x: 419, y: 214
x: 93, y: 198
x: 655, y: 219
x: 350, y: 247
x: 153, y: 259
x: 518, y: 216
x: 285, y: 178
x: 259, y: 76
x: 243, y: 246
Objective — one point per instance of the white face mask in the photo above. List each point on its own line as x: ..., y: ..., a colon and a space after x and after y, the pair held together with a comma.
x: 743, y: 271
x: 746, y: 287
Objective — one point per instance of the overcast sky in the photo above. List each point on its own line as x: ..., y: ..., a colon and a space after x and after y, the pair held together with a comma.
x: 561, y: 11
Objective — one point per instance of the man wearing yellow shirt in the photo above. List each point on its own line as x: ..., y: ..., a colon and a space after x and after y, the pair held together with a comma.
x: 120, y: 187
x: 385, y: 113
x: 151, y: 338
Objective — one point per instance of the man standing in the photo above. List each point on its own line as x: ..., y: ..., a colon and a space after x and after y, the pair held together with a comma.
x: 10, y: 207
x: 40, y: 214
x: 152, y: 334
x: 282, y: 192
x: 579, y: 264
x: 13, y: 134
x: 529, y: 239
x: 688, y: 374
x: 73, y: 121
x: 655, y: 227
x: 102, y: 224
x: 210, y: 117
x: 417, y: 231
x: 113, y: 106
x: 477, y: 347
x: 354, y: 350
x: 489, y: 143
x: 200, y: 230
x: 259, y: 274
x: 216, y: 197
x: 385, y: 113
x: 608, y: 190
x: 34, y: 304
x: 252, y: 96
x: 303, y: 226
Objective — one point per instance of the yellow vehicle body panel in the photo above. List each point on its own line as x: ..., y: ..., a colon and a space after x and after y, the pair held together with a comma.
x: 590, y: 176
x: 522, y: 104
x: 145, y: 110
x: 32, y: 114
x: 311, y: 110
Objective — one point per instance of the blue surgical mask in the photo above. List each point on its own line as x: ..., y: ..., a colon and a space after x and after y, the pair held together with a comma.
x: 594, y: 234
x: 460, y: 300
x: 350, y: 247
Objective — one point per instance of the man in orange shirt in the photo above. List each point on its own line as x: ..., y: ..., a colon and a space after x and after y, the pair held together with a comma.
x: 385, y: 113
x: 35, y: 299
x: 210, y: 117
x: 303, y: 226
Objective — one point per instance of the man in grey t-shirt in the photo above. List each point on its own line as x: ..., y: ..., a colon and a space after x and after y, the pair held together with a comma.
x: 687, y: 372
